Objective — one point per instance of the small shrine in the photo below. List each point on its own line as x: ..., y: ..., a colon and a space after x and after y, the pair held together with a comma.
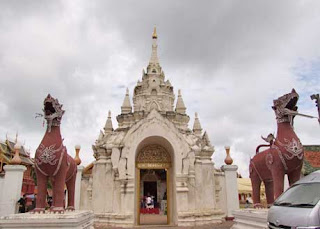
x: 153, y: 163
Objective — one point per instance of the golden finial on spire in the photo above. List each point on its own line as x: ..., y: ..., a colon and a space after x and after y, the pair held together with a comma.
x: 154, y: 35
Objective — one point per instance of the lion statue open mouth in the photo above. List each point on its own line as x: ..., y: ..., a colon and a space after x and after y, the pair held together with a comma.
x: 53, y: 111
x: 285, y: 107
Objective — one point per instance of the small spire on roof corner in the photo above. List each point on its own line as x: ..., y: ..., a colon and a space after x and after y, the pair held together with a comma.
x: 16, y: 140
x: 108, y: 128
x: 196, y: 125
x: 154, y: 35
x: 126, y: 106
x: 180, y: 107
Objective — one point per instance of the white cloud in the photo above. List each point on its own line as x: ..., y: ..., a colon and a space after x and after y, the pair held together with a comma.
x: 230, y: 58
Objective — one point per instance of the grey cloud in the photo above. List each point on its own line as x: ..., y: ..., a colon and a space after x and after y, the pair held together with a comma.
x: 230, y: 58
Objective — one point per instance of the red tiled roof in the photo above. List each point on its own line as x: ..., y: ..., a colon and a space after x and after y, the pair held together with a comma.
x: 313, y: 158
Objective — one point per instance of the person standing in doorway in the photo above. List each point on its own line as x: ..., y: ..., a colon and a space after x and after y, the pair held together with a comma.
x: 149, y: 201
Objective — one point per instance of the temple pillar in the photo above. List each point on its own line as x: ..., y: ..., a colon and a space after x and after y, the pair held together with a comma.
x: 12, y: 185
x: 198, y: 178
x: 192, y: 190
x: 182, y: 193
x: 77, y: 192
x: 207, y: 185
x: 127, y: 196
x: 108, y: 190
x: 99, y: 184
x: 231, y: 188
x: 117, y: 195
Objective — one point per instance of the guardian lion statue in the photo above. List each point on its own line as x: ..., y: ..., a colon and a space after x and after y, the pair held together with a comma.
x: 52, y: 161
x: 284, y: 155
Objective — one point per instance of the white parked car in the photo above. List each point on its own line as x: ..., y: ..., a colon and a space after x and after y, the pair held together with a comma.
x: 299, y: 206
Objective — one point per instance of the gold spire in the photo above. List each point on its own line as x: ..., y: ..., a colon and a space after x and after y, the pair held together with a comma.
x: 154, y: 35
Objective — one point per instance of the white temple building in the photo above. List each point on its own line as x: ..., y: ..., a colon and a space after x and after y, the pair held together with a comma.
x: 153, y: 165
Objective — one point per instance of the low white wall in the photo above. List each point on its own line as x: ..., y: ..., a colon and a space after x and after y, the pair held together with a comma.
x: 250, y: 219
x: 220, y: 183
x: 85, y: 201
x: 1, y: 188
x: 11, y: 188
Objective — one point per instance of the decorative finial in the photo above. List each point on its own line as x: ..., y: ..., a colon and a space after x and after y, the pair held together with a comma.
x: 154, y: 66
x: 16, y: 160
x: 228, y: 160
x: 126, y: 106
x: 108, y: 128
x: 77, y: 158
x: 180, y: 107
x: 154, y: 35
x: 16, y: 140
x: 196, y: 125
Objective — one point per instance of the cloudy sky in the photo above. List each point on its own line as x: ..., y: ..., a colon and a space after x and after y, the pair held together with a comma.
x: 229, y: 58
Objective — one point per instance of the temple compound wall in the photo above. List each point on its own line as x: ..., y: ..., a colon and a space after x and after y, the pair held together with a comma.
x: 153, y: 151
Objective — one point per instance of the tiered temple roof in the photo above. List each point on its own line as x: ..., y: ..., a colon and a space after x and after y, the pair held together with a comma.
x: 7, y: 152
x: 152, y: 93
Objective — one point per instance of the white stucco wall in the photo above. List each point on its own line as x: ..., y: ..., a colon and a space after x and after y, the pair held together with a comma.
x: 84, y: 197
x: 1, y: 188
x: 221, y: 199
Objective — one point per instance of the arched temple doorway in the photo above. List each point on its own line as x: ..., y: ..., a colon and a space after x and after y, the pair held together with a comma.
x: 154, y: 182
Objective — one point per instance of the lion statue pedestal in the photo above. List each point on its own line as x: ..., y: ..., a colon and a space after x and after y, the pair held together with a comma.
x: 68, y: 220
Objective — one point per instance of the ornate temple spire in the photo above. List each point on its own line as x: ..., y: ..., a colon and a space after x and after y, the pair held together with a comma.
x: 154, y: 66
x: 205, y: 139
x: 154, y: 35
x: 126, y: 106
x: 196, y: 125
x: 108, y: 128
x: 180, y: 107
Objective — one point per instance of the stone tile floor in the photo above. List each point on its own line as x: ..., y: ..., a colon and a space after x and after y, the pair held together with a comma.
x: 224, y: 225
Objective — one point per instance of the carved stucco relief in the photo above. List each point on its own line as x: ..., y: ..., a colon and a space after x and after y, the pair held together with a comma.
x: 154, y: 125
x: 153, y: 154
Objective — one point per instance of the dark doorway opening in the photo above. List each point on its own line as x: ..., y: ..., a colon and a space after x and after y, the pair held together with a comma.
x: 150, y: 189
x: 153, y: 196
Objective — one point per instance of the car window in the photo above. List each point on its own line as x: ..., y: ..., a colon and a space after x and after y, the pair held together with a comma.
x: 301, y: 195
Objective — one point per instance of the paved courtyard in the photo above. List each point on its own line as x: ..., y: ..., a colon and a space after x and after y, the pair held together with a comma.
x: 224, y: 225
